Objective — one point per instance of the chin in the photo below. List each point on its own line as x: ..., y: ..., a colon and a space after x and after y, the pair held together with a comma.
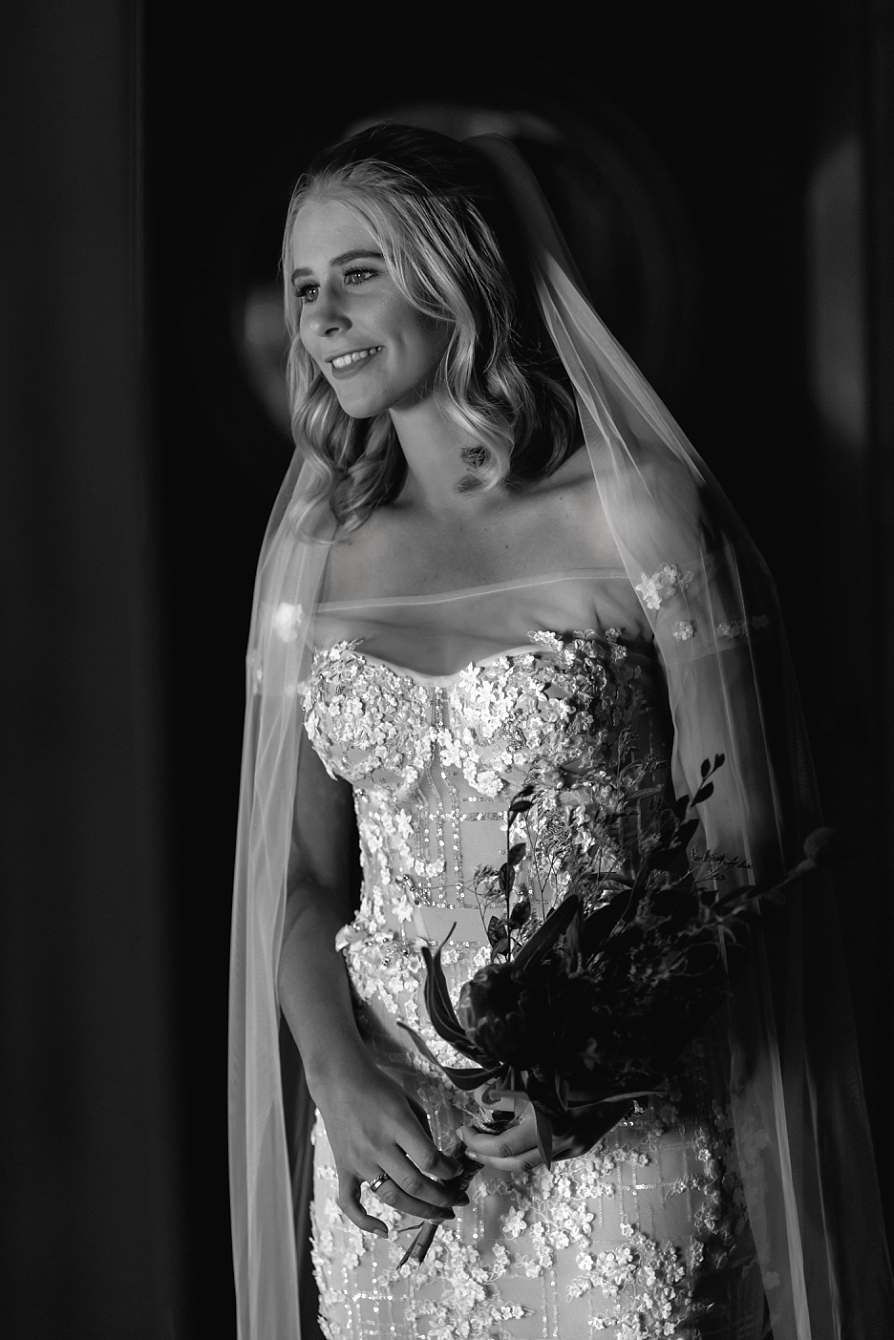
x: 369, y: 405
x: 362, y: 409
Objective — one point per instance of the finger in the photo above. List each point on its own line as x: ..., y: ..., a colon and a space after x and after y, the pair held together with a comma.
x: 512, y: 1140
x: 391, y: 1193
x: 526, y: 1159
x: 523, y: 1161
x: 512, y: 1150
x: 409, y: 1191
x: 421, y: 1150
x: 348, y: 1201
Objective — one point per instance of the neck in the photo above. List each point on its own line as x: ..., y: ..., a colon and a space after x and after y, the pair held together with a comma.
x: 433, y: 446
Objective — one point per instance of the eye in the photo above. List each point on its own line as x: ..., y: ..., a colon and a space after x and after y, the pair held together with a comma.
x: 354, y: 277
x: 306, y: 293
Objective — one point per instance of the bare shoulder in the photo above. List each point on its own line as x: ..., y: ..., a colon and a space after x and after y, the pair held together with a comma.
x: 569, y: 498
x: 556, y: 524
x: 357, y: 559
x: 574, y: 472
x: 571, y: 485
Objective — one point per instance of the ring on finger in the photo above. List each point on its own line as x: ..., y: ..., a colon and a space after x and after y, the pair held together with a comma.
x: 374, y: 1185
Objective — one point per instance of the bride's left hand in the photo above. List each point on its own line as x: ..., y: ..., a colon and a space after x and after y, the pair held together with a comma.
x: 515, y: 1148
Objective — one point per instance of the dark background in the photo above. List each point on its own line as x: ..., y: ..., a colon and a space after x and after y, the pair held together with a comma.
x: 147, y: 165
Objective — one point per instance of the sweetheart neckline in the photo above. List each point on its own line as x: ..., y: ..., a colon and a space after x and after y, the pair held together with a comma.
x: 531, y: 649
x: 420, y: 675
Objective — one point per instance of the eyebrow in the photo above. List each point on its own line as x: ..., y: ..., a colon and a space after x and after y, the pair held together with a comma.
x: 342, y: 260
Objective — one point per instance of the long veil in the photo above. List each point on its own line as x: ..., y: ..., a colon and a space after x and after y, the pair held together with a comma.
x: 801, y: 1129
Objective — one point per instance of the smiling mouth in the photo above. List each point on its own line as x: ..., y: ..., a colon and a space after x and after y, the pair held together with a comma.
x: 348, y: 360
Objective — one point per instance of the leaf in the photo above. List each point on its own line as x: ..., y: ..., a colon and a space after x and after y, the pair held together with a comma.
x: 496, y: 928
x: 440, y: 1007
x: 609, y: 881
x: 664, y: 857
x: 561, y: 1091
x: 543, y: 940
x: 686, y: 832
x: 474, y: 1054
x: 437, y: 995
x: 703, y: 792
x: 520, y: 804
x: 544, y: 1134
x: 706, y: 766
x: 744, y: 894
x: 599, y: 925
x: 589, y: 1108
x: 520, y: 913
x: 506, y: 876
x: 679, y: 807
x: 501, y: 944
x: 573, y: 939
x: 516, y: 852
x: 497, y: 1090
x: 467, y: 1080
x: 420, y: 1043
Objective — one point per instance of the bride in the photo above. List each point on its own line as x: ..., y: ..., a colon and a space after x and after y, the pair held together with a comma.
x: 487, y: 501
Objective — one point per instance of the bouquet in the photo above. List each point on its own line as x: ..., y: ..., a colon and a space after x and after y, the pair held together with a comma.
x: 607, y: 954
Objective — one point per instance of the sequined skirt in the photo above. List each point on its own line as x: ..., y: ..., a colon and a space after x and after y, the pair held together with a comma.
x: 644, y: 1237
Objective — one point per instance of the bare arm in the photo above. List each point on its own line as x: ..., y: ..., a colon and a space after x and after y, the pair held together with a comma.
x: 369, y: 1120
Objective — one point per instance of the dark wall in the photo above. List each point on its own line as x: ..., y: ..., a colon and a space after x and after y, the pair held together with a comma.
x: 87, y: 1116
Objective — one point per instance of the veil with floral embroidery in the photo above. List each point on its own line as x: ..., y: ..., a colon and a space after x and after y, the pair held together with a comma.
x: 801, y: 1128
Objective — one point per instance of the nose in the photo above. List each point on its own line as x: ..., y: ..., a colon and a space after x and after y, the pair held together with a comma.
x: 327, y: 315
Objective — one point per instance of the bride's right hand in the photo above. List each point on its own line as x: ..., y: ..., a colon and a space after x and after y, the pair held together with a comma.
x: 373, y: 1127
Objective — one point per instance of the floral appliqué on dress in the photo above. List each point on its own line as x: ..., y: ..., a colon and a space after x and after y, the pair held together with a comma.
x: 613, y: 1242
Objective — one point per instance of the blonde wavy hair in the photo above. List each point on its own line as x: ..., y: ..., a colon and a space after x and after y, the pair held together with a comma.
x: 450, y: 247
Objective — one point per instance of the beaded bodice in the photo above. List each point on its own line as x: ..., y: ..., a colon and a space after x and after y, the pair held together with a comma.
x: 435, y: 760
x: 603, y: 1243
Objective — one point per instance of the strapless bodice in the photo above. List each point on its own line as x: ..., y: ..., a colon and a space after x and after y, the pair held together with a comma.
x: 434, y: 762
x: 430, y: 756
x: 381, y: 726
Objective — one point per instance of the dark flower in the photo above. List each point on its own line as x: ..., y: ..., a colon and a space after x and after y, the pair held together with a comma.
x: 510, y: 1015
x: 679, y: 906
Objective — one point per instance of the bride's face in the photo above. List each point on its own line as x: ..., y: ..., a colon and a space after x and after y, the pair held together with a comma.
x: 376, y: 350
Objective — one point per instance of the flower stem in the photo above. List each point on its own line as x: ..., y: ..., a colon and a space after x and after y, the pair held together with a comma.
x: 425, y: 1236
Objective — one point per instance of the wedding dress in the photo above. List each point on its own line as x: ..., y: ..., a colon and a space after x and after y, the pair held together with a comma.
x: 433, y: 708
x: 697, y: 599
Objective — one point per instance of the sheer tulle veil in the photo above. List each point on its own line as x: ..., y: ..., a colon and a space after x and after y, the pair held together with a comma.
x: 801, y: 1129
